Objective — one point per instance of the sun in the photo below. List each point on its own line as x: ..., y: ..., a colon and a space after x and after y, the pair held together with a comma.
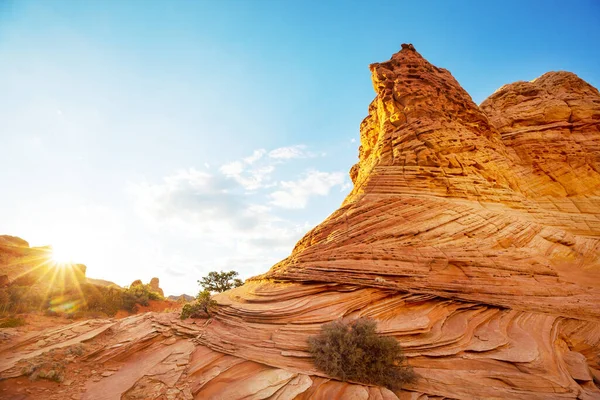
x: 61, y: 255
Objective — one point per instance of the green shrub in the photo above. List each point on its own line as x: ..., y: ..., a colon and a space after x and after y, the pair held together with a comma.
x: 193, y: 310
x: 139, y: 294
x: 12, y: 322
x: 110, y: 299
x: 107, y: 300
x: 70, y: 301
x: 201, y: 308
x: 354, y: 351
x: 220, y: 281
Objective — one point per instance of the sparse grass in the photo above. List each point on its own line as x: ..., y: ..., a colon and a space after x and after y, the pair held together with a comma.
x: 12, y: 322
x: 52, y: 371
x: 355, y: 352
x: 76, y: 350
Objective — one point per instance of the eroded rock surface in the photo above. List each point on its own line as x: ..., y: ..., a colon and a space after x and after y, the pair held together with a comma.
x: 445, y: 203
x: 471, y: 235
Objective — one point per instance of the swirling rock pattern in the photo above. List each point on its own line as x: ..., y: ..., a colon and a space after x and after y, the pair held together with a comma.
x: 472, y: 235
x: 474, y: 230
x: 448, y: 204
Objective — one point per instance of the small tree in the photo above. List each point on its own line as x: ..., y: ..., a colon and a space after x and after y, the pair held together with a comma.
x: 201, y: 308
x: 354, y: 351
x: 220, y: 281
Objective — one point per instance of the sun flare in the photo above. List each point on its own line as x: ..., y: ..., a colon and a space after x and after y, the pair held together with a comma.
x: 61, y: 255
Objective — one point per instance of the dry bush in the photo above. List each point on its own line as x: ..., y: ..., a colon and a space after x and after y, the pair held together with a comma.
x: 52, y: 371
x: 355, y: 352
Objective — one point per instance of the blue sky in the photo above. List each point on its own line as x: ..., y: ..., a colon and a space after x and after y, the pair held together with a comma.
x: 171, y: 138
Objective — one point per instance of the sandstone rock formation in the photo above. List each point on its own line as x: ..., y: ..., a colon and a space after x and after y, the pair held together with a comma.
x: 154, y: 285
x: 184, y: 298
x: 472, y: 235
x: 137, y: 282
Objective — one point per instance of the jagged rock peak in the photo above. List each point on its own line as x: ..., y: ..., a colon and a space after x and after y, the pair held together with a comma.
x: 422, y: 119
x: 439, y: 186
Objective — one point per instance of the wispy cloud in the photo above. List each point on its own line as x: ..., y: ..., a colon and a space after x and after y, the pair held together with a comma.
x: 290, y: 152
x: 256, y: 155
x: 254, y: 172
x: 295, y: 194
x: 250, y: 178
x: 212, y: 208
x: 236, y: 215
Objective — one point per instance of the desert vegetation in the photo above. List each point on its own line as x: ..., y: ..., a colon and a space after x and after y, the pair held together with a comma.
x: 201, y: 308
x: 213, y: 282
x: 75, y: 301
x: 354, y: 351
x: 220, y: 281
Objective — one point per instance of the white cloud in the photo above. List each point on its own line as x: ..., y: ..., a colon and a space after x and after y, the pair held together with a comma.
x: 192, y: 196
x: 229, y: 217
x: 232, y: 169
x: 290, y: 152
x: 295, y: 194
x: 213, y: 209
x: 254, y: 172
x: 352, y: 140
x: 257, y: 155
x: 207, y: 222
x: 249, y: 176
x: 250, y: 179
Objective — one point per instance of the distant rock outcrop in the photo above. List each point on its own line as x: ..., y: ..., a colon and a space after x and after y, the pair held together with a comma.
x: 154, y: 285
x: 101, y: 282
x: 472, y: 236
x: 14, y: 241
x: 137, y: 282
x: 182, y: 298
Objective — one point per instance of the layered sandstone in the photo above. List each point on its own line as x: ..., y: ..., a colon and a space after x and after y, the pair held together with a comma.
x: 471, y: 235
x: 445, y: 204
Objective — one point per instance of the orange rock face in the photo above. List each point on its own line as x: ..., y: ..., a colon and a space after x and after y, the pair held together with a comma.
x: 472, y: 235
